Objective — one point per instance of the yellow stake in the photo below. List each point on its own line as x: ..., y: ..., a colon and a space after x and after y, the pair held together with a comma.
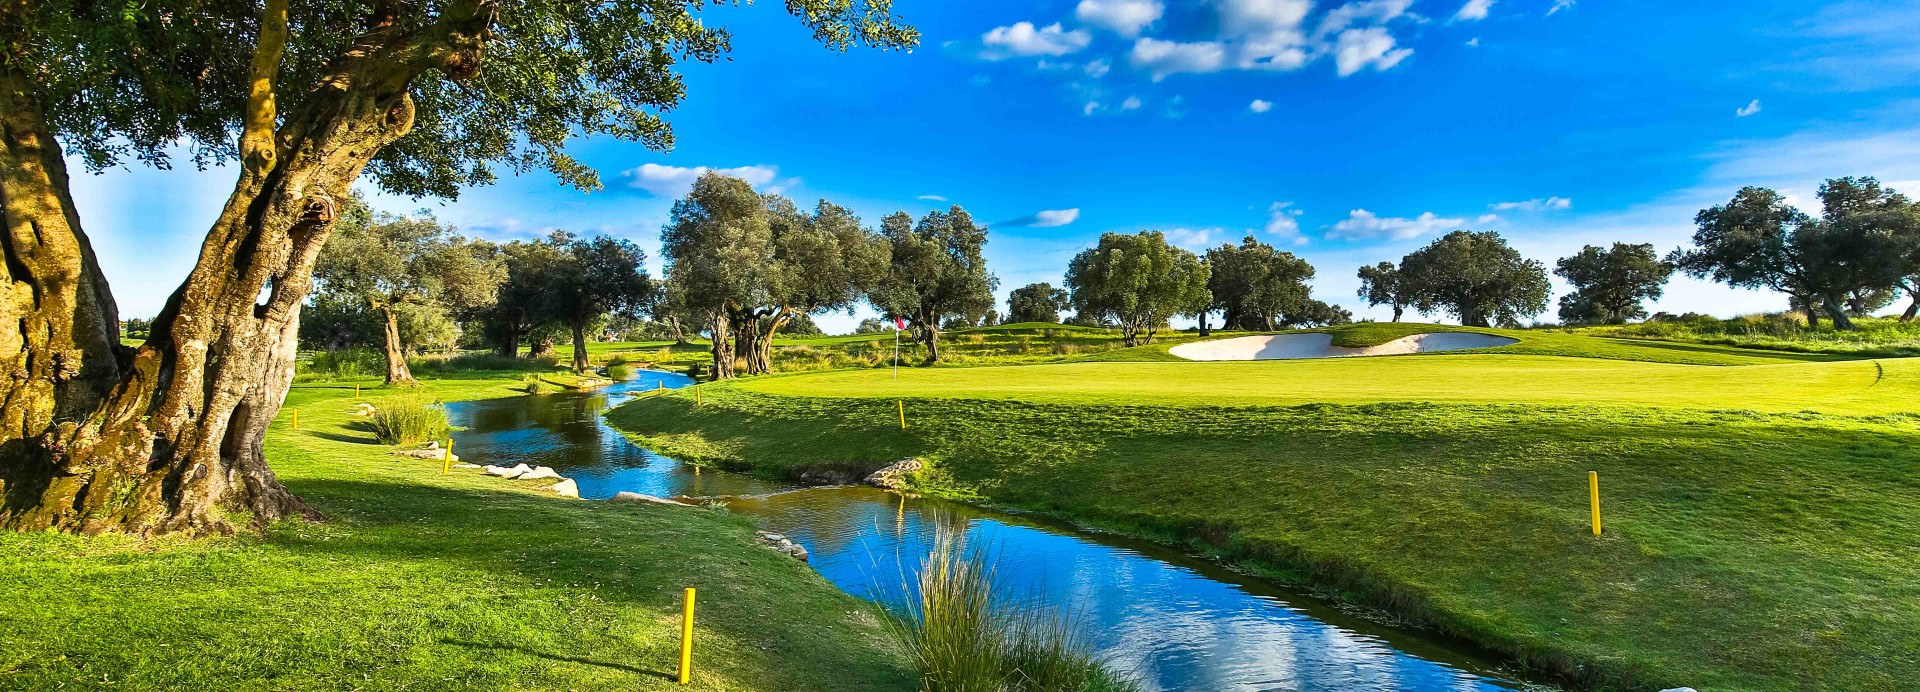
x: 1593, y: 490
x: 903, y: 413
x: 356, y: 392
x: 686, y: 640
x: 446, y: 461
x: 296, y: 419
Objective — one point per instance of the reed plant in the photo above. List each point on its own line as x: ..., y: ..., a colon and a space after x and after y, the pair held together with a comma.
x: 966, y: 636
x: 409, y: 419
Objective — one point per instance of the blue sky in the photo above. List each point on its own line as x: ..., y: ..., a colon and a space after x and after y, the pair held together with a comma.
x: 1348, y: 133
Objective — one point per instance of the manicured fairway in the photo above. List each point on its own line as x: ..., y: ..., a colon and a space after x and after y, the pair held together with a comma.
x: 1849, y: 387
x: 1760, y: 518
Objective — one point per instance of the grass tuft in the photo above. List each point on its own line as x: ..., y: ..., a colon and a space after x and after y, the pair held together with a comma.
x: 409, y: 419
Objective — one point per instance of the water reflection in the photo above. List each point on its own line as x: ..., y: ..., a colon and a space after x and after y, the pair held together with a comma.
x: 1174, y: 622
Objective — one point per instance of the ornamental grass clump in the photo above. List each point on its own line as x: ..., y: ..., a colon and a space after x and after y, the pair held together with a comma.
x: 966, y: 637
x: 405, y: 420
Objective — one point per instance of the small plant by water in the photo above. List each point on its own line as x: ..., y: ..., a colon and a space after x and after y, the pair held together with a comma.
x: 967, y: 636
x: 409, y: 419
x: 619, y: 372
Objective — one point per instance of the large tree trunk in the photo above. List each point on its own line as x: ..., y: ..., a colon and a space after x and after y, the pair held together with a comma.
x: 1838, y: 313
x: 580, y: 363
x: 746, y: 340
x: 679, y: 337
x: 1913, y: 309
x: 397, y: 372
x: 763, y: 356
x: 722, y: 353
x: 171, y: 440
x: 930, y: 335
x: 1203, y: 324
x: 509, y: 343
x: 1397, y: 310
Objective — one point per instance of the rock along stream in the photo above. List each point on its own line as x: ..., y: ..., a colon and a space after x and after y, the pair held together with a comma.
x: 1173, y: 621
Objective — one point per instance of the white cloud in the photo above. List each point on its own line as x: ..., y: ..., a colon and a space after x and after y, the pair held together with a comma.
x: 1361, y: 224
x: 1370, y: 11
x: 1090, y: 108
x: 676, y: 181
x: 1487, y: 219
x: 1245, y: 17
x: 1098, y: 68
x: 1022, y: 39
x: 1358, y: 49
x: 1260, y: 106
x: 1473, y: 42
x: 1195, y: 239
x: 1055, y: 217
x: 1748, y: 109
x: 931, y: 198
x: 1283, y: 222
x: 1540, y: 204
x: 1163, y: 58
x: 1124, y: 17
x: 1559, y: 5
x: 1473, y: 11
x: 1131, y: 103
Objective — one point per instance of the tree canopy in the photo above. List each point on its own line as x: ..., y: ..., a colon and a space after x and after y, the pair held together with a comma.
x: 1609, y: 284
x: 936, y: 271
x: 594, y: 277
x: 1381, y: 284
x: 1476, y: 278
x: 413, y: 271
x: 1253, y: 284
x: 1139, y: 281
x: 1038, y: 302
x: 1865, y: 240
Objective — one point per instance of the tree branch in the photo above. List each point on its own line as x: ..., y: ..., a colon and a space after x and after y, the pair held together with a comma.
x: 256, y: 137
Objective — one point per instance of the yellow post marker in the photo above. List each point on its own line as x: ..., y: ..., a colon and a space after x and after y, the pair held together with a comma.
x: 446, y: 460
x: 296, y: 419
x: 686, y: 640
x: 1593, y: 491
x: 903, y: 413
x: 356, y: 392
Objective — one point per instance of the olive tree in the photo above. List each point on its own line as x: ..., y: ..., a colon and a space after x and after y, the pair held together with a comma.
x: 1863, y: 242
x: 821, y: 262
x: 1138, y: 280
x: 301, y: 101
x: 1039, y: 302
x: 595, y: 276
x: 1380, y: 284
x: 407, y: 266
x: 935, y: 271
x: 1252, y: 284
x: 718, y: 244
x: 1609, y: 284
x: 1476, y: 278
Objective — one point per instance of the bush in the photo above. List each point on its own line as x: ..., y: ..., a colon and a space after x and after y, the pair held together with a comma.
x: 617, y: 359
x: 619, y: 373
x: 535, y: 387
x: 966, y: 637
x: 345, y: 363
x: 409, y: 419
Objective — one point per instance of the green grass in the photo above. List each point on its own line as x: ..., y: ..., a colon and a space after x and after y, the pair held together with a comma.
x: 423, y: 581
x: 1760, y: 519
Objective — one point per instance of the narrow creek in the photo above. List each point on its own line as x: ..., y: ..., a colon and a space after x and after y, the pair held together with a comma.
x: 1173, y: 621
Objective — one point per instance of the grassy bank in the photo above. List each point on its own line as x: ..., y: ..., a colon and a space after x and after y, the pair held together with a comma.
x: 1760, y: 519
x: 423, y: 581
x: 1879, y: 337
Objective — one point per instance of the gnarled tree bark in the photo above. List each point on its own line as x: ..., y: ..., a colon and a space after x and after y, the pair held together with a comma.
x: 169, y: 437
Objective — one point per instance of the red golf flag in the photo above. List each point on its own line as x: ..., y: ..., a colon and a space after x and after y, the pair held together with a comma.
x: 900, y: 323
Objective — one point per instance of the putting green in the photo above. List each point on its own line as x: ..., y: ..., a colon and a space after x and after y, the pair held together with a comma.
x: 1860, y: 387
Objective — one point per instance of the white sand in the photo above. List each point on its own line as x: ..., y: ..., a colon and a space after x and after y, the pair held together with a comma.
x: 1295, y: 346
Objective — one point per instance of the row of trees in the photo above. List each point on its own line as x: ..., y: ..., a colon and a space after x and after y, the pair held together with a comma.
x: 1855, y: 258
x: 744, y: 265
x: 413, y: 281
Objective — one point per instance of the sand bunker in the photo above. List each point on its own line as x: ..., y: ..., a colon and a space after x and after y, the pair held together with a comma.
x: 1294, y: 346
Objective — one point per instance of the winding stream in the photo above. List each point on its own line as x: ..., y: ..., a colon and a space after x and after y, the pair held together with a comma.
x: 1174, y: 622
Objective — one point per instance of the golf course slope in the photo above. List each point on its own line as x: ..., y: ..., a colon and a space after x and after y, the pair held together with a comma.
x: 1320, y: 345
x: 1760, y: 507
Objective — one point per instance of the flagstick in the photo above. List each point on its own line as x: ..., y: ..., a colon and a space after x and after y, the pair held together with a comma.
x: 896, y: 355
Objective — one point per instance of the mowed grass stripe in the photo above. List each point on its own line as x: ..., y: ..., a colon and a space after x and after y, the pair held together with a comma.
x: 1843, y: 387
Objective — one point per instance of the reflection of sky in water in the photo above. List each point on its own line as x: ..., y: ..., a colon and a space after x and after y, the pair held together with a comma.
x: 1153, y: 614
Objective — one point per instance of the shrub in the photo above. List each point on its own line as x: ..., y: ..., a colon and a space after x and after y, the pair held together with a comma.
x: 619, y: 373
x: 965, y: 636
x: 345, y: 363
x: 617, y: 359
x: 409, y: 419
